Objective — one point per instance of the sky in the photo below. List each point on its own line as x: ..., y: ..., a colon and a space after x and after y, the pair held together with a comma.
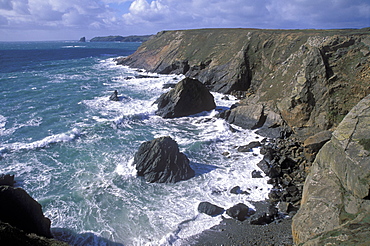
x: 43, y: 20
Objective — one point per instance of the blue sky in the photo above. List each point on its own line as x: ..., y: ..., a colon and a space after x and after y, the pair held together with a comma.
x: 28, y: 20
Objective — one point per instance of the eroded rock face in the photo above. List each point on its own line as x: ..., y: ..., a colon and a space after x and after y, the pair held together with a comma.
x: 188, y: 97
x: 21, y: 211
x: 160, y: 161
x: 336, y: 192
x: 308, y: 79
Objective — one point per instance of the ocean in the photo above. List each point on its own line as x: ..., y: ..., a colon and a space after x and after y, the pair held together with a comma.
x: 72, y: 149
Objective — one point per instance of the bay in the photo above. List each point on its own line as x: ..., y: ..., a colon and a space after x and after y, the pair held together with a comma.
x: 71, y: 148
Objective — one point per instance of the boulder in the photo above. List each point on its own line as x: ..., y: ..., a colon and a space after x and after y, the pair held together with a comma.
x: 7, y: 179
x: 256, y: 174
x: 313, y: 144
x: 160, y: 161
x: 187, y: 98
x: 209, y: 209
x: 114, y: 96
x: 239, y: 211
x: 249, y: 147
x: 21, y: 211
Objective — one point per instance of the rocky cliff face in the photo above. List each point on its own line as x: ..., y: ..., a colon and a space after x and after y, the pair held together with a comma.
x: 306, y: 79
x: 335, y: 206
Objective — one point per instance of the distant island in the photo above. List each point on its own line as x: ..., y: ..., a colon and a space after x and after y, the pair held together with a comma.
x: 133, y: 38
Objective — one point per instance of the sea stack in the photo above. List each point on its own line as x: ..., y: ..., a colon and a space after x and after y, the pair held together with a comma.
x: 160, y: 161
x: 188, y: 97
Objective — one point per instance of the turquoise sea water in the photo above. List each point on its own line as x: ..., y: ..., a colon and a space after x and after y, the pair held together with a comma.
x: 71, y: 148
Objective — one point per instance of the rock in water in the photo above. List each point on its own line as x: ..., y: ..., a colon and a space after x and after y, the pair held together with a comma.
x: 160, y: 161
x: 209, y: 209
x: 21, y: 211
x: 114, y: 96
x: 7, y: 179
x: 188, y: 97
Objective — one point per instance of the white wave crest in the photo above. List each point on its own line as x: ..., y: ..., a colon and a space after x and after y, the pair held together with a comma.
x: 57, y: 138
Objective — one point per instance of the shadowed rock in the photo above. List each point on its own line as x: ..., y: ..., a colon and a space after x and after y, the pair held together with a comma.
x: 160, y: 161
x: 188, y: 97
x: 21, y: 211
x: 7, y: 179
x: 209, y: 209
x: 239, y: 211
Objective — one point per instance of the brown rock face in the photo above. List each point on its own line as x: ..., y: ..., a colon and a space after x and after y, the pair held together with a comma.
x: 335, y: 206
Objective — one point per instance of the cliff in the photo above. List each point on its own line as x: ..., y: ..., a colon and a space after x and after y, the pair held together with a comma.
x: 335, y: 206
x: 305, y: 79
x: 133, y: 38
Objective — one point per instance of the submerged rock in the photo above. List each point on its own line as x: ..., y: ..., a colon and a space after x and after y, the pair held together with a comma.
x: 187, y: 98
x: 21, y: 211
x: 160, y: 161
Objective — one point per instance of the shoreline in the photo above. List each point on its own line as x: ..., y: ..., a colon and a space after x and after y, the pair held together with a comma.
x: 234, y: 232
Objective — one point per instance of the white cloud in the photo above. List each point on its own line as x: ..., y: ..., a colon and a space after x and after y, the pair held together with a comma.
x: 125, y: 17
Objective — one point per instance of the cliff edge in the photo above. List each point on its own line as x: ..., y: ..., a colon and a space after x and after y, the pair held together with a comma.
x: 335, y: 206
x: 305, y: 79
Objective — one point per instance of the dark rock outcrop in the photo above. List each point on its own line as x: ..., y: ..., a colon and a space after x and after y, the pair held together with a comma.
x: 256, y: 174
x: 335, y: 206
x: 21, y: 211
x: 10, y: 235
x: 239, y: 211
x: 249, y: 147
x: 160, y: 161
x: 188, y: 97
x: 114, y: 96
x: 7, y: 179
x: 82, y: 40
x: 210, y: 209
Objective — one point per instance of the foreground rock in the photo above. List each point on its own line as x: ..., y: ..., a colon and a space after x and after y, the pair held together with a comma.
x: 160, y: 161
x: 10, y: 235
x: 7, y: 179
x: 335, y: 206
x: 21, y: 211
x: 188, y: 97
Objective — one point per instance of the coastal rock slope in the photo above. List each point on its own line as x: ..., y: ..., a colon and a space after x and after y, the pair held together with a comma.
x: 335, y: 206
x: 305, y: 79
